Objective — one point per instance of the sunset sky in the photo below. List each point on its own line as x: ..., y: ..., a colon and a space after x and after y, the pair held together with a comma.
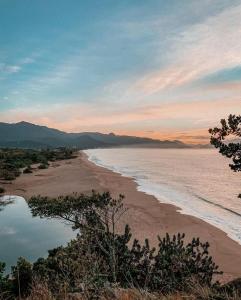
x: 163, y: 69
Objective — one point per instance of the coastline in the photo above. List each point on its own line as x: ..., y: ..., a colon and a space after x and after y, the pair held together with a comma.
x: 146, y: 216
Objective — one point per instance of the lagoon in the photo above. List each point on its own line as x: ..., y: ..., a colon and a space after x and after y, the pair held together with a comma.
x: 27, y: 236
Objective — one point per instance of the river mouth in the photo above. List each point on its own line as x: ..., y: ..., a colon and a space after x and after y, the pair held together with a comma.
x: 30, y: 237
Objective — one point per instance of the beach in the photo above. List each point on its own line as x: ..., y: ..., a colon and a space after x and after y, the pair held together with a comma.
x: 146, y: 216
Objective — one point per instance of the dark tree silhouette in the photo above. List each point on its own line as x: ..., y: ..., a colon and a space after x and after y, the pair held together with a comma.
x: 229, y: 128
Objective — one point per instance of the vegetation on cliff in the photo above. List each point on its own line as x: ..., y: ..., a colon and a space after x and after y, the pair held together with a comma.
x: 104, y: 258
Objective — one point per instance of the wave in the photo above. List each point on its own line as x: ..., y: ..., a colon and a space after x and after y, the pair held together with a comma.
x: 189, y: 203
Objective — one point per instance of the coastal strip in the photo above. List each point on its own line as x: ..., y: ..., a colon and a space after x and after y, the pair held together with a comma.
x: 146, y: 216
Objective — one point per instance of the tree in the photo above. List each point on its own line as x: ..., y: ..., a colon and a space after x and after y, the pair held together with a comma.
x: 5, y: 285
x: 96, y: 217
x: 22, y: 277
x: 219, y: 135
x: 102, y: 255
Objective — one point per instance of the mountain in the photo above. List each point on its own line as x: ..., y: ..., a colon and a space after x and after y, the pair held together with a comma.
x: 27, y: 135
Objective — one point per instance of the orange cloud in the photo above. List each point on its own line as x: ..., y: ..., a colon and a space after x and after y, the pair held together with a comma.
x: 193, y: 136
x: 187, y: 121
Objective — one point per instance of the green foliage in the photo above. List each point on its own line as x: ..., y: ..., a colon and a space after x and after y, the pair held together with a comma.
x: 12, y: 160
x: 22, y: 277
x: 28, y: 170
x: 2, y: 277
x: 5, y: 283
x: 102, y: 256
x: 7, y: 175
x: 43, y: 166
x: 232, y: 150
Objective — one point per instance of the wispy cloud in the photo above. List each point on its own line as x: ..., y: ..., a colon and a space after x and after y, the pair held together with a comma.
x: 200, y: 50
x: 5, y: 231
x: 9, y: 69
x: 6, y: 69
x: 142, y: 70
x: 161, y: 118
x: 27, y: 60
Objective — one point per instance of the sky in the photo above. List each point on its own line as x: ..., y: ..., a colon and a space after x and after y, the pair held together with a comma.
x: 156, y: 68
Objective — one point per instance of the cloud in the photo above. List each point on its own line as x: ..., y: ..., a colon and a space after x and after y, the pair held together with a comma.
x: 161, y: 120
x: 27, y: 60
x: 5, y: 231
x: 202, y: 49
x: 143, y: 79
x: 234, y: 86
x: 54, y: 76
x: 9, y: 69
x: 191, y: 136
x: 6, y: 69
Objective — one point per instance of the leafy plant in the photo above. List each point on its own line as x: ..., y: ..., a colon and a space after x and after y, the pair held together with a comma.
x: 22, y: 277
x: 102, y: 256
x: 43, y: 166
x: 230, y: 149
x: 28, y: 170
x: 12, y: 160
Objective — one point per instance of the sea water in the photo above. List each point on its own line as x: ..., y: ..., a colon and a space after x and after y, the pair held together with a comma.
x: 198, y: 181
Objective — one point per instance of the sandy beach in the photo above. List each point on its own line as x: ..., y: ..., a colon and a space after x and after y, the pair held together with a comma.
x: 146, y: 215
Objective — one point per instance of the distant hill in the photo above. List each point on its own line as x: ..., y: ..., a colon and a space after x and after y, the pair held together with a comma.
x: 27, y: 135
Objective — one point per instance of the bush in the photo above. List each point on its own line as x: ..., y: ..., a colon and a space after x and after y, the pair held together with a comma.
x: 101, y: 259
x: 5, y: 284
x: 12, y: 160
x: 17, y: 173
x: 43, y: 166
x: 100, y: 256
x: 2, y: 190
x: 8, y: 175
x: 22, y: 277
x: 28, y: 170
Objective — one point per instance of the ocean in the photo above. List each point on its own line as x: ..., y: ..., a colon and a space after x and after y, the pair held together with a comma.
x: 198, y: 181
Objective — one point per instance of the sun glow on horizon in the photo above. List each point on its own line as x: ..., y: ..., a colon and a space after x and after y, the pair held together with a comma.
x: 157, y: 69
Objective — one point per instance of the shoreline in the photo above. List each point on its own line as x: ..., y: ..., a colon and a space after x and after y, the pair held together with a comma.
x: 144, y: 187
x: 146, y: 215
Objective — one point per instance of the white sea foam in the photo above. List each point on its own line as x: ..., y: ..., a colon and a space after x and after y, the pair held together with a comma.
x: 199, y: 182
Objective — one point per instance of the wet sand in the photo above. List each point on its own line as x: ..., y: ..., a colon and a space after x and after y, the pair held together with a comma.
x: 146, y: 216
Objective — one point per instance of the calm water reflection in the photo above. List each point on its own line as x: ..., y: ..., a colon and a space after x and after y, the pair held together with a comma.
x: 23, y: 235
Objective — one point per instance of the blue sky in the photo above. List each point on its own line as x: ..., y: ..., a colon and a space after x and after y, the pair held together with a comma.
x: 165, y: 69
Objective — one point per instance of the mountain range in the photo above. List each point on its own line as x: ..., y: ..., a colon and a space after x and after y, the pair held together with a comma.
x: 27, y: 135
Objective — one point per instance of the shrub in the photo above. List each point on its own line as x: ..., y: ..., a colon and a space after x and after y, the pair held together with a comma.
x: 43, y: 166
x: 100, y: 256
x: 101, y: 259
x: 5, y: 284
x: 8, y: 175
x: 28, y: 170
x: 2, y: 190
x: 22, y: 277
x: 12, y: 160
x: 173, y: 266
